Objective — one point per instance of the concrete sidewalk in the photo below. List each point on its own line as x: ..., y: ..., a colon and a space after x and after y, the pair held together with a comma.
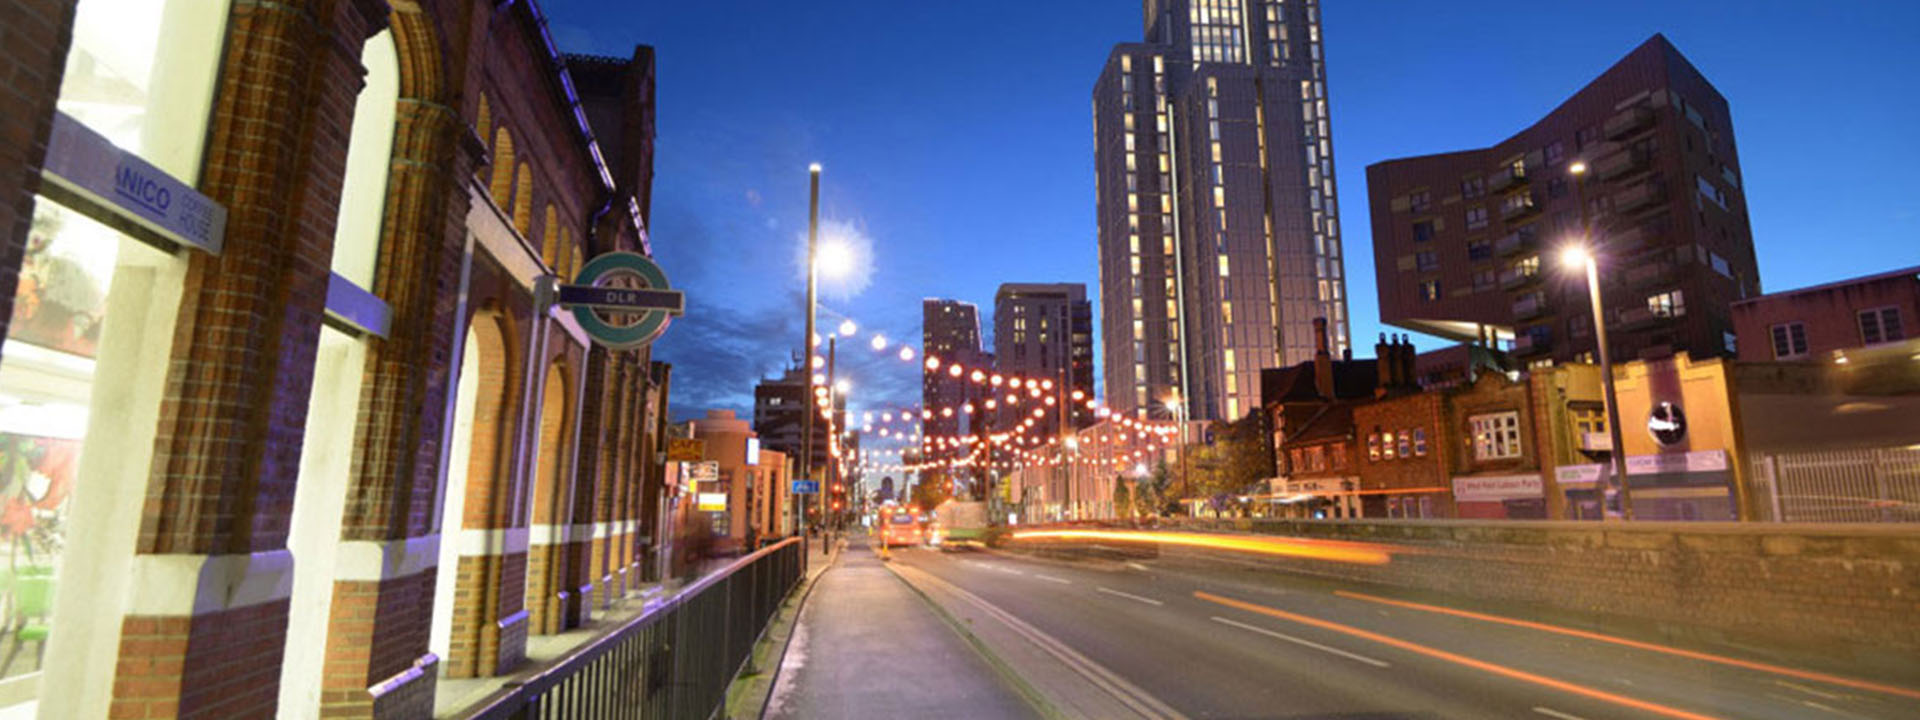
x: 868, y: 646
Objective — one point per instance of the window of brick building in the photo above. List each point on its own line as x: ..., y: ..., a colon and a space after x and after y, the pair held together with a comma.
x: 1881, y: 325
x: 1423, y: 231
x: 1789, y: 340
x: 1429, y: 290
x: 1473, y: 187
x: 1421, y: 201
x: 1476, y: 218
x: 1496, y: 436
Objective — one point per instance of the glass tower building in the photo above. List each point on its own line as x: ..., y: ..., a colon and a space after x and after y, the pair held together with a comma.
x: 1219, y: 235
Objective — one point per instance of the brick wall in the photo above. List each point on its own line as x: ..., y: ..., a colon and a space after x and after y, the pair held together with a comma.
x: 1818, y: 585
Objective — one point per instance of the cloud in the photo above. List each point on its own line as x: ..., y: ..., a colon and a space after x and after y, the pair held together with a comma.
x: 719, y: 353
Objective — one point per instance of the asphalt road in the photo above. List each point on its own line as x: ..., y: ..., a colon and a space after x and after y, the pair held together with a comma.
x: 1220, y: 642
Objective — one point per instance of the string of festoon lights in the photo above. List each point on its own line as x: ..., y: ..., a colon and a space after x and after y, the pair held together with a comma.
x: 1131, y: 441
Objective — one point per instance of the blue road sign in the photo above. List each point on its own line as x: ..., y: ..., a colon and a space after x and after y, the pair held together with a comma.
x: 806, y: 487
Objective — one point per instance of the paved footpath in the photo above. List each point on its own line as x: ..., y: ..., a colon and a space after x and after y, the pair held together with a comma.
x: 867, y: 646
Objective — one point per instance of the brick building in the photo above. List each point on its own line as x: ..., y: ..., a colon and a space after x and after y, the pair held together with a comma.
x: 1466, y: 244
x: 1815, y: 323
x: 311, y: 446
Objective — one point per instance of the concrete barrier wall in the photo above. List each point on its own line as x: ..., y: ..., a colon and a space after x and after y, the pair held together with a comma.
x: 1856, y: 586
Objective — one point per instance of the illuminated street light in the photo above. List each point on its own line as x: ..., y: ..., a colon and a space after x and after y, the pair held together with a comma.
x: 847, y: 328
x: 906, y: 353
x: 836, y: 259
x: 879, y: 342
x: 842, y: 386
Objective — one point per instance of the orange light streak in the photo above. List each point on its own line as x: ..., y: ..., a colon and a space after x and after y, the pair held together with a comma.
x: 1598, y: 637
x: 1360, y: 553
x: 1437, y: 653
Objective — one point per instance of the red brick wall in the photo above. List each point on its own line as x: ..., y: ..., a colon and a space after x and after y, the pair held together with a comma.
x: 1831, y: 316
x: 214, y: 665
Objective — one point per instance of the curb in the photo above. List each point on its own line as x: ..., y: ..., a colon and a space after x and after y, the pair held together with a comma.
x: 744, y: 684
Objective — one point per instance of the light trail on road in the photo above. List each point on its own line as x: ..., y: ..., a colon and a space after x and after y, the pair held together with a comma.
x: 1336, y: 551
x: 1598, y: 637
x: 1455, y: 658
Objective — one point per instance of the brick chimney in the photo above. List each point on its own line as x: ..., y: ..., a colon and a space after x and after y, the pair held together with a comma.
x: 1382, y: 366
x: 1322, y: 360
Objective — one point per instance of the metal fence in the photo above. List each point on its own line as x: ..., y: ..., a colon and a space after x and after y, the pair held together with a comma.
x: 673, y: 661
x: 1862, y: 485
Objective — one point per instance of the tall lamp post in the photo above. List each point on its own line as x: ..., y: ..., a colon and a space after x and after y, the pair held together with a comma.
x: 1577, y: 257
x: 806, y: 343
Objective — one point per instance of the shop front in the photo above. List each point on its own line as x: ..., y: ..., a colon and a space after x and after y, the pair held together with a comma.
x: 1697, y: 485
x: 1500, y: 497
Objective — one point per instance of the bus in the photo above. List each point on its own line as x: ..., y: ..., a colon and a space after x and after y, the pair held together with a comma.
x: 901, y: 526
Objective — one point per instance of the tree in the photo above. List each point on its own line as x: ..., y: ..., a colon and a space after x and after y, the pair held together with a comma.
x: 1122, y: 497
x: 1233, y: 465
x: 929, y: 494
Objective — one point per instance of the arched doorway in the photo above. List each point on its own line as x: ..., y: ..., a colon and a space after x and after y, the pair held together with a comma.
x: 547, y: 586
x: 475, y: 478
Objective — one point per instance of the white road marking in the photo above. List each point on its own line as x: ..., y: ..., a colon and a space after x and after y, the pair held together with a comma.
x: 1137, y: 566
x: 1304, y: 642
x: 1131, y: 596
x: 1807, y: 690
x: 1552, y: 713
x: 1050, y: 578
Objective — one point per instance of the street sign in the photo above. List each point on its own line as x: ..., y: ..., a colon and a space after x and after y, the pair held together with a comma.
x: 86, y: 169
x: 702, y: 472
x: 806, y: 487
x: 686, y: 449
x: 650, y: 306
x: 710, y: 502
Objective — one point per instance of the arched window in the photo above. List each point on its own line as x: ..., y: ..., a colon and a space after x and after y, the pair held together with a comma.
x: 523, y: 200
x: 363, y: 192
x: 333, y: 405
x: 483, y: 126
x: 550, y: 248
x: 501, y: 186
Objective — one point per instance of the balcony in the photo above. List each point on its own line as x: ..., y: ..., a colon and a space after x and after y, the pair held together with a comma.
x: 1516, y: 278
x: 1628, y: 241
x: 1646, y: 274
x: 1638, y: 197
x: 1514, y: 243
x: 1640, y: 318
x: 1529, y: 307
x: 1621, y: 163
x: 1532, y: 343
x: 1518, y: 206
x: 1595, y: 441
x: 1507, y: 178
x: 1628, y: 122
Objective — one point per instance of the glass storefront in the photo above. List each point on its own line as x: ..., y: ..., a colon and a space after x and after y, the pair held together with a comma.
x: 84, y: 358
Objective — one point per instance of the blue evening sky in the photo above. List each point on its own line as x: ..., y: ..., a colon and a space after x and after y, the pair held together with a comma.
x: 957, y: 142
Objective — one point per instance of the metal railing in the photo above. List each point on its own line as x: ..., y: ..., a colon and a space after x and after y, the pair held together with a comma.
x: 1860, y: 485
x: 673, y: 661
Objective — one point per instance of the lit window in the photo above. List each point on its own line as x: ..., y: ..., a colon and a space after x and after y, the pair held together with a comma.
x: 1386, y: 446
x: 1405, y: 443
x: 1430, y: 290
x: 1667, y: 304
x: 1229, y: 360
x: 1223, y: 266
x: 1496, y: 436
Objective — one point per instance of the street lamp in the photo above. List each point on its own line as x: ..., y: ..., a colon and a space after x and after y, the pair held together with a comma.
x: 811, y: 338
x: 1578, y: 256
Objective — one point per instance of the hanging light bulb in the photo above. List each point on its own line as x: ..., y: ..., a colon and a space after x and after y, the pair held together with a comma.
x: 906, y: 353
